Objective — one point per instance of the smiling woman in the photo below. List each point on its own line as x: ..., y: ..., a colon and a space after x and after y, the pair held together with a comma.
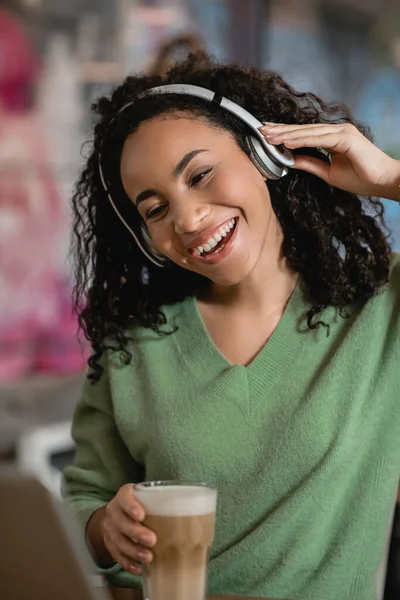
x: 244, y: 310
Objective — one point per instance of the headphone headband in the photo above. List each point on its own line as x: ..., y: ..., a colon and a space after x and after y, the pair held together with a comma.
x: 282, y: 158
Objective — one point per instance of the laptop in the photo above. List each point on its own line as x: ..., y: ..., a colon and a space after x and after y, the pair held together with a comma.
x: 42, y: 552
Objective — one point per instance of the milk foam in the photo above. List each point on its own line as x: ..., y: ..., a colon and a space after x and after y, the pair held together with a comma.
x: 177, y: 500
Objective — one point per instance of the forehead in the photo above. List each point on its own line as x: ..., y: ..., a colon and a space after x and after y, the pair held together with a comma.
x: 163, y: 141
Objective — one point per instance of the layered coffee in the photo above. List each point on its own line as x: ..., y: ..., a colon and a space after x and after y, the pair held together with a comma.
x: 183, y: 518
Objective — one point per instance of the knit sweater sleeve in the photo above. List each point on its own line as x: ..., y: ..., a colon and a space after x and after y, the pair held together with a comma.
x: 102, y: 462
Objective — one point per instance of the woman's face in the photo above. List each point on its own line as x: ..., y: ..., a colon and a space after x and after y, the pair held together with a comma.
x: 204, y: 203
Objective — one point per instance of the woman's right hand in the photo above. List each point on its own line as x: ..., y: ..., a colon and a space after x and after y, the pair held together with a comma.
x: 124, y: 535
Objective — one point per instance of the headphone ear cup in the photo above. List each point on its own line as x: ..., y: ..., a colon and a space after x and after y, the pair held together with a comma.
x: 260, y: 158
x: 150, y: 245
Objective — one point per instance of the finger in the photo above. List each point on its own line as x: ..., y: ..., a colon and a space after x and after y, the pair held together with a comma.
x: 139, y: 534
x: 134, y: 552
x: 312, y: 165
x: 330, y: 141
x: 303, y: 134
x: 277, y: 127
x: 129, y: 504
x: 133, y: 530
x: 124, y: 560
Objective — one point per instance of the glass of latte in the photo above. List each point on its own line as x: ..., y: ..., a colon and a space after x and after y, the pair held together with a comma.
x: 182, y: 515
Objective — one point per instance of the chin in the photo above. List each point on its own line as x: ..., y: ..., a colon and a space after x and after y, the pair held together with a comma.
x: 231, y: 271
x: 229, y: 276
x: 226, y: 281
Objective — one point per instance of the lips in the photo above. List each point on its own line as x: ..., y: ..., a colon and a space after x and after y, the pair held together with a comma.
x: 212, y: 238
x: 222, y: 249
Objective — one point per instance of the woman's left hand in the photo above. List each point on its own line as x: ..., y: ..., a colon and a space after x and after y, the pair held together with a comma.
x: 357, y: 165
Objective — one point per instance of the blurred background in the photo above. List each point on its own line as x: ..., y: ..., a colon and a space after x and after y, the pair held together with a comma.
x: 56, y: 56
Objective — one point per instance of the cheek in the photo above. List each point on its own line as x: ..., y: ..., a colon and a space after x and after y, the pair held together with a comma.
x: 230, y: 190
x: 225, y: 189
x: 164, y: 239
x: 161, y: 238
x: 244, y: 188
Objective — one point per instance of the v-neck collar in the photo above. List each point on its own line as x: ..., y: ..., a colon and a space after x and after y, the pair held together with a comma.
x: 273, y: 360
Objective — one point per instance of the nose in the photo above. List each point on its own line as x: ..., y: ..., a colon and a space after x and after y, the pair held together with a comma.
x: 189, y: 215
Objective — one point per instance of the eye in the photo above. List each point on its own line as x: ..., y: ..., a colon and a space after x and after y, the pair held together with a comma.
x: 196, y: 179
x: 155, y: 212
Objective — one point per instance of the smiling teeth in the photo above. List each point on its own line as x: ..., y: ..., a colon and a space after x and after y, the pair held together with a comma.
x: 213, y: 241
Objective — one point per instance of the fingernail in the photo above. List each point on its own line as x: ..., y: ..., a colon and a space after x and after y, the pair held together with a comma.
x: 144, y: 556
x: 135, y: 569
x: 147, y: 540
x: 269, y: 124
x: 137, y: 515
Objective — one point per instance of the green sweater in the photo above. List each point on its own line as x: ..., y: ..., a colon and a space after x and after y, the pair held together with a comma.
x: 303, y: 444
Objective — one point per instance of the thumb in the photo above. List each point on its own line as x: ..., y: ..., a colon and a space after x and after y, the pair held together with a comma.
x: 312, y: 165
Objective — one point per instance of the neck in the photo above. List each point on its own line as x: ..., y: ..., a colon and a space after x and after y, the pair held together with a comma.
x: 267, y: 289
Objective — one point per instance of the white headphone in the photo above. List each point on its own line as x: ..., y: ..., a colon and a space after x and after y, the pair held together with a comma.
x: 273, y: 162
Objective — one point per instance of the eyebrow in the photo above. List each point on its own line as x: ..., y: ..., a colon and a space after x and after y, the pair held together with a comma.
x: 183, y: 163
x: 177, y: 172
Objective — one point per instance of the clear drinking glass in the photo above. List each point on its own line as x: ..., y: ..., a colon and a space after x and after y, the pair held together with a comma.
x: 182, y: 515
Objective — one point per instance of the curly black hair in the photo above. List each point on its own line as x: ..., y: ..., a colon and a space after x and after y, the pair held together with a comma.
x: 334, y: 239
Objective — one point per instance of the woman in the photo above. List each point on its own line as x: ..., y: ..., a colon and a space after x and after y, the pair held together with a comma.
x: 263, y: 357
